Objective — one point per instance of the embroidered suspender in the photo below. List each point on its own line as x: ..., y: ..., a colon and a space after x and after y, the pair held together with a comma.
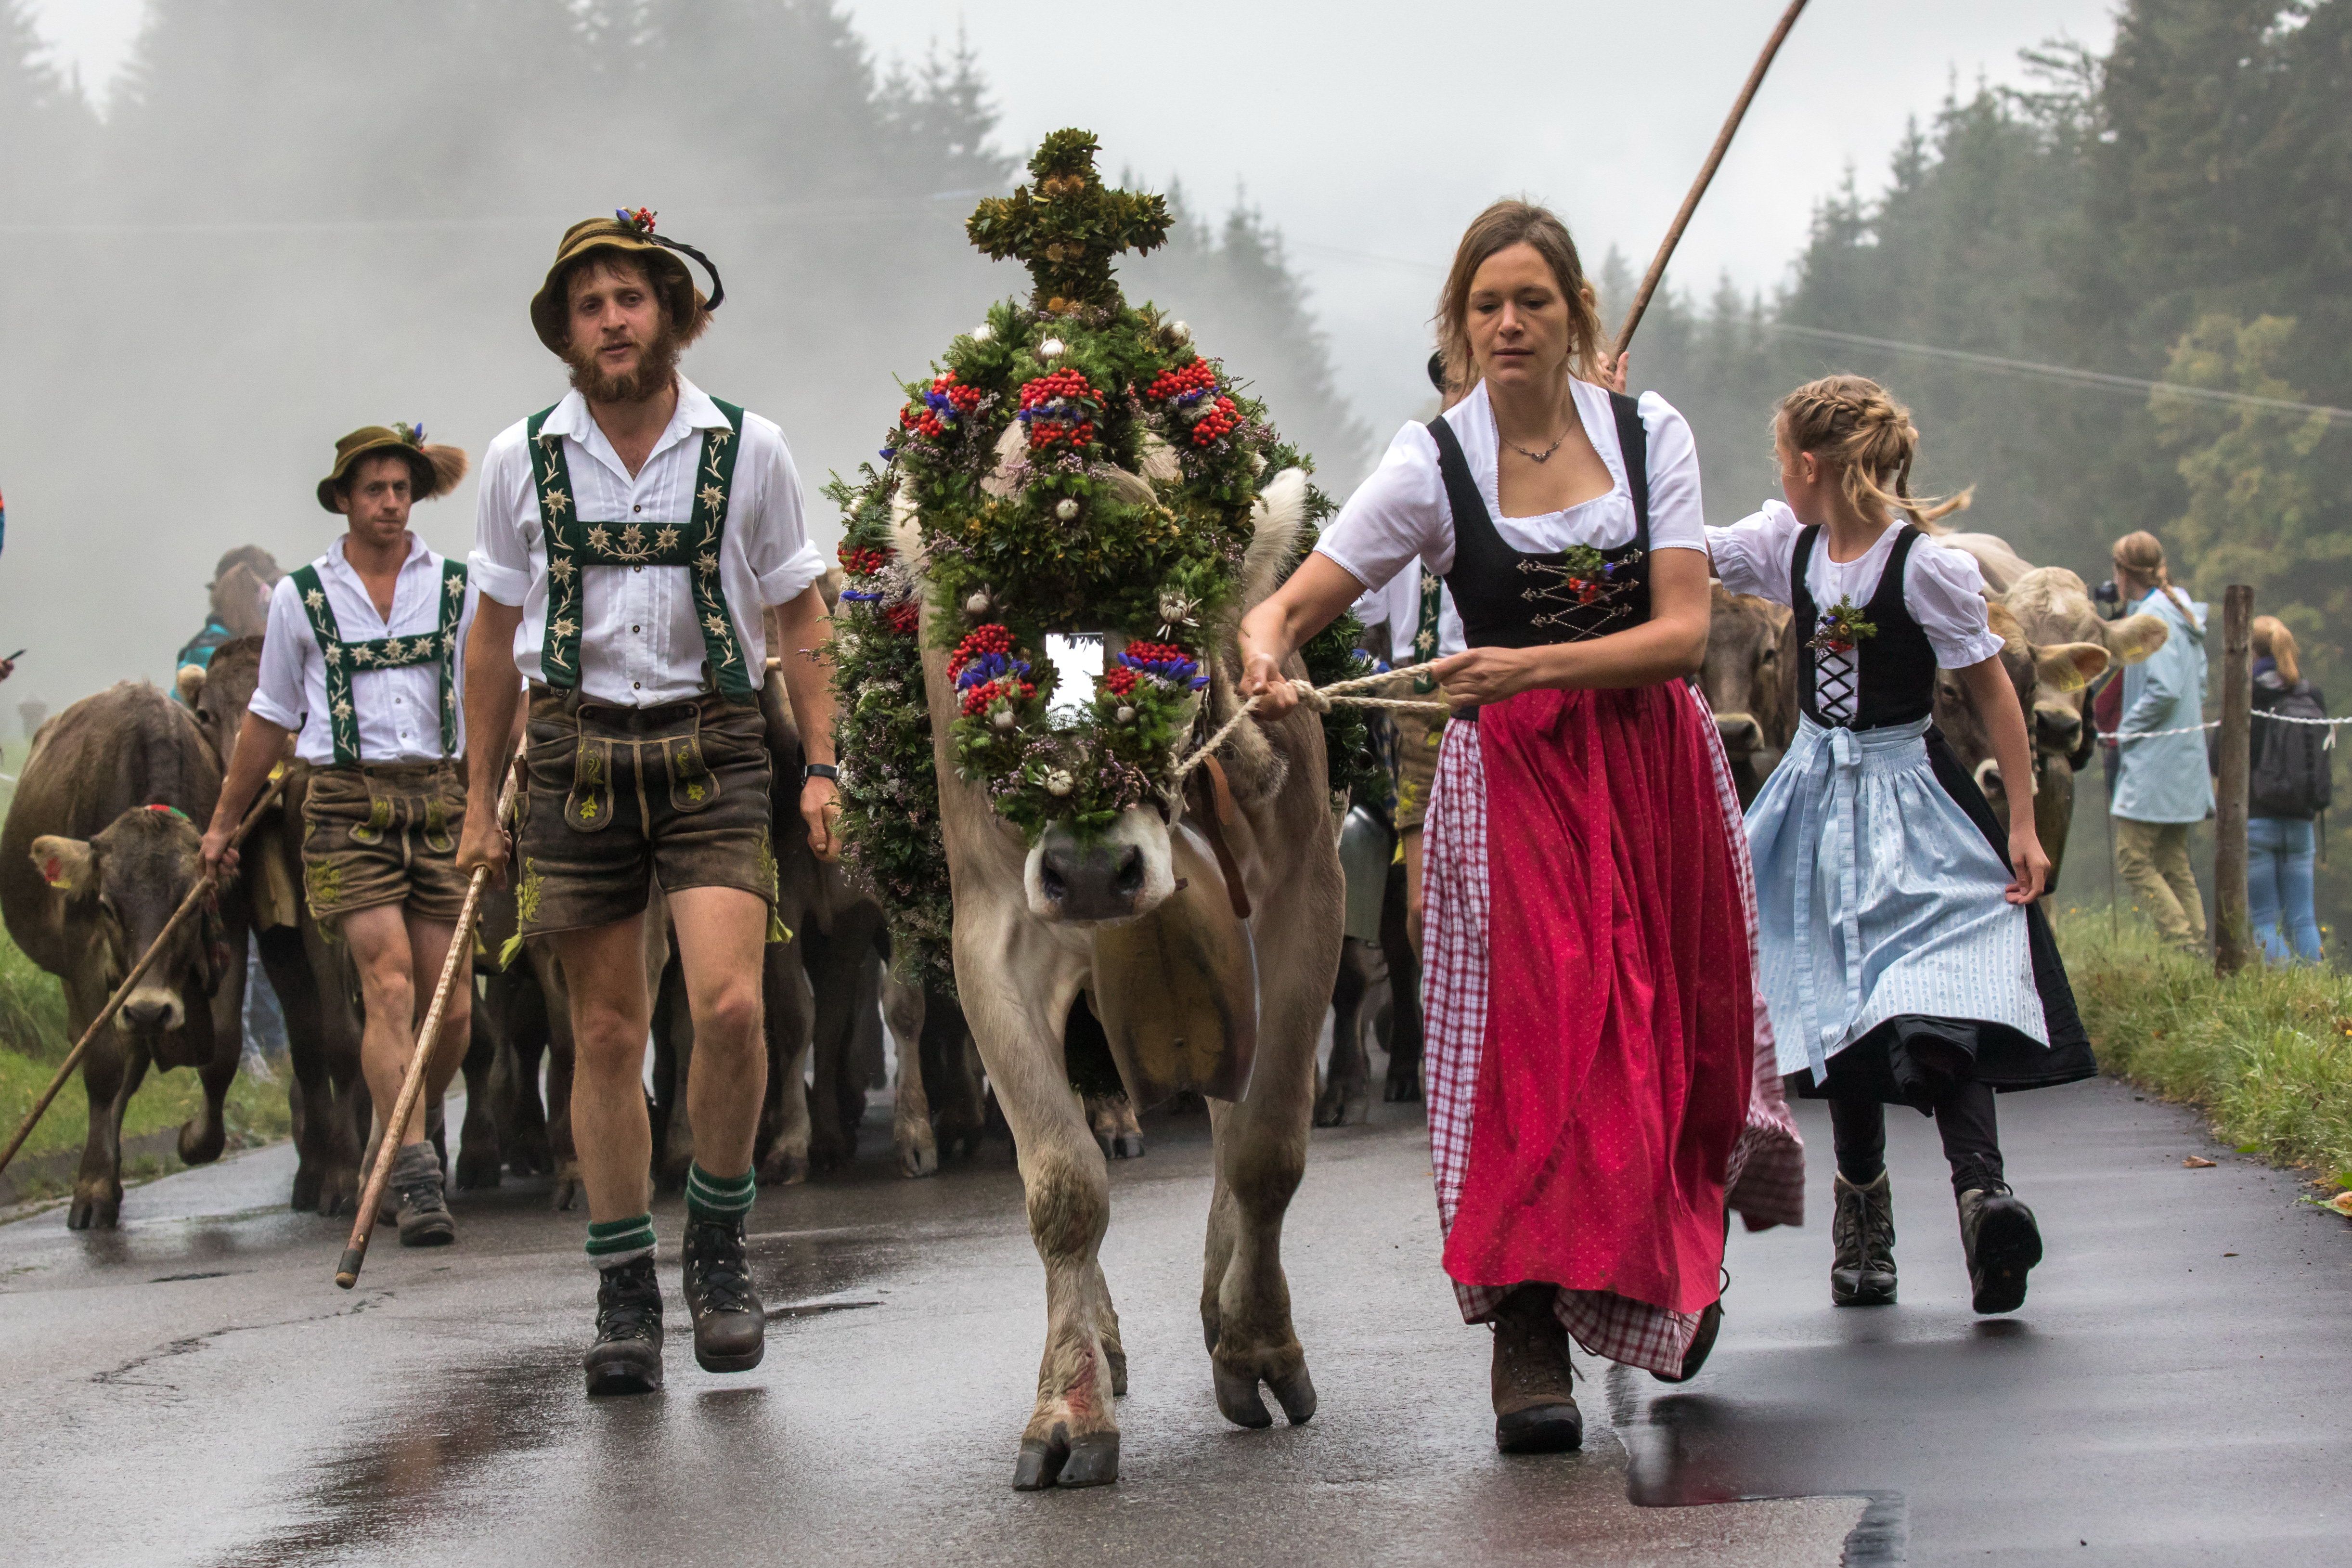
x: 1424, y: 631
x: 573, y: 542
x: 345, y: 659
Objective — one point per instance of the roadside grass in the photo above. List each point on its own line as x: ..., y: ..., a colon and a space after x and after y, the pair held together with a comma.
x: 2266, y: 1055
x: 32, y: 1006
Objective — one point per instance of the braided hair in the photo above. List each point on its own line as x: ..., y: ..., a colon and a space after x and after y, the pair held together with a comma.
x: 1851, y: 423
x: 2142, y: 556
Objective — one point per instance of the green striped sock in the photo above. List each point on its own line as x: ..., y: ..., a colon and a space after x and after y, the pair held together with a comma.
x: 613, y: 1242
x: 722, y: 1198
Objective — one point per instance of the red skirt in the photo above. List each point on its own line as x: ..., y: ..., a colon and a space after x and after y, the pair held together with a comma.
x: 1592, y: 1017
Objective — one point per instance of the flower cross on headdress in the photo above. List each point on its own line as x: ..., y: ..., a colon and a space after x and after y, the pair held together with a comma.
x: 641, y: 219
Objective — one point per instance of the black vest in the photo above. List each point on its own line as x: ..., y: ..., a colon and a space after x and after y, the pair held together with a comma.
x: 1897, y: 666
x: 1507, y: 599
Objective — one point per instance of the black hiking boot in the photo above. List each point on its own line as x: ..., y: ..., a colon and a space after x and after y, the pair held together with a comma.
x: 730, y: 1330
x: 415, y: 1187
x: 1862, y: 1242
x: 627, y: 1356
x: 2002, y: 1244
x: 1534, y: 1384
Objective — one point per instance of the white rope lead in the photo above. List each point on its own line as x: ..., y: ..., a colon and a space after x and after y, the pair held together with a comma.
x: 1322, y: 698
x: 2112, y: 737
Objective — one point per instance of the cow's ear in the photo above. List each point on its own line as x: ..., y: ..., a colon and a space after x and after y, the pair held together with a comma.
x: 2069, y: 666
x: 189, y: 683
x: 2135, y: 638
x: 62, y: 862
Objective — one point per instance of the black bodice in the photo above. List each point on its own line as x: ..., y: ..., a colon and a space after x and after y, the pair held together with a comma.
x: 1507, y: 598
x: 1896, y: 666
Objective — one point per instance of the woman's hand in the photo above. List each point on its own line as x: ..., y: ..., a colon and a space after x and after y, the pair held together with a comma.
x: 2026, y: 855
x: 1482, y: 675
x: 1262, y: 678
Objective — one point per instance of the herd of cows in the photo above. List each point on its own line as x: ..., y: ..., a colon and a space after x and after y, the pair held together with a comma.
x: 1195, y: 949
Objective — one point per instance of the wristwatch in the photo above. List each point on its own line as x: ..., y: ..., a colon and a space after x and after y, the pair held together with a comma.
x: 819, y: 771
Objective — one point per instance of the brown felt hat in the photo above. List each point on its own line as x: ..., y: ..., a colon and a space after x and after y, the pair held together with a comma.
x: 438, y: 468
x: 629, y: 234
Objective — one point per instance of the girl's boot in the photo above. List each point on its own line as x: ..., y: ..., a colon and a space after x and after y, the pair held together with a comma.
x: 1862, y: 1236
x: 2002, y: 1243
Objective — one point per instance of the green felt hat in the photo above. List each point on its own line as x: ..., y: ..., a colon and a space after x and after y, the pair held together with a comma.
x: 630, y: 233
x: 438, y: 468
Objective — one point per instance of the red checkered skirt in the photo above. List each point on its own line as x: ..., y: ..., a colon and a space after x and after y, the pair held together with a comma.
x: 1594, y: 1067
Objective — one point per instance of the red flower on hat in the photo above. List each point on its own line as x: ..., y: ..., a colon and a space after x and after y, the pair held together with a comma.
x: 641, y: 219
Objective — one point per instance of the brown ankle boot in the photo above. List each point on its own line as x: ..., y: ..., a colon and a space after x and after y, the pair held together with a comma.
x: 1535, y: 1398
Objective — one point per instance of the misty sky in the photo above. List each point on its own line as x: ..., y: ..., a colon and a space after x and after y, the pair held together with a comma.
x: 1370, y: 131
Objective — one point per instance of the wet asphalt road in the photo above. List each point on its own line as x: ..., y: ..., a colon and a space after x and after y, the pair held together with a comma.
x: 193, y: 1389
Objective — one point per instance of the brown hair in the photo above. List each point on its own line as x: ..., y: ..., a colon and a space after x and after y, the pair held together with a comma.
x: 1501, y: 225
x: 2271, y: 638
x: 433, y: 470
x: 1850, y: 422
x: 2142, y: 556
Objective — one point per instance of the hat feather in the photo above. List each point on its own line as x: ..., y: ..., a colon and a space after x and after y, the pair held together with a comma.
x: 449, y: 466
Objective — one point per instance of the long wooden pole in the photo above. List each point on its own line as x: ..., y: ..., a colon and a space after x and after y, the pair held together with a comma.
x: 196, y: 895
x: 2233, y: 935
x: 1707, y: 173
x: 461, y: 953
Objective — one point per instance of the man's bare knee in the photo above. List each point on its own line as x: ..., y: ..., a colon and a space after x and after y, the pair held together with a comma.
x: 730, y: 1012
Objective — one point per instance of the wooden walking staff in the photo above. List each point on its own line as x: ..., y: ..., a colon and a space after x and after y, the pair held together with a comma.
x: 1707, y: 172
x: 387, y: 1149
x: 196, y: 895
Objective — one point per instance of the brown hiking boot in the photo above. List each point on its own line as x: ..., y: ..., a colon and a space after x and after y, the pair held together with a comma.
x: 2002, y: 1244
x: 1535, y: 1398
x: 420, y: 1210
x: 729, y: 1328
x: 1862, y: 1243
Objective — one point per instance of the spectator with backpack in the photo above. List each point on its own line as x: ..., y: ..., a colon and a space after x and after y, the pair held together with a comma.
x: 2290, y: 768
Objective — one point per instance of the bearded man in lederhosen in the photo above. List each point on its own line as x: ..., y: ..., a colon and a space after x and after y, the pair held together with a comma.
x: 632, y: 546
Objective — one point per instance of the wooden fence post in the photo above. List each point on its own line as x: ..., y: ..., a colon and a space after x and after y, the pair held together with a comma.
x: 2232, y: 938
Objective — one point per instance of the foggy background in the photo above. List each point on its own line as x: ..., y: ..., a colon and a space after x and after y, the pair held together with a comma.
x: 259, y: 223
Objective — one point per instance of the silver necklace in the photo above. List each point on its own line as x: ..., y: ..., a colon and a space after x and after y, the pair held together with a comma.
x: 1542, y: 457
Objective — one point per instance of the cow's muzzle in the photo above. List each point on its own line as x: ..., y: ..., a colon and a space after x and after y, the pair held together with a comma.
x: 2057, y: 726
x: 1118, y: 875
x: 1740, y: 732
x: 153, y: 1010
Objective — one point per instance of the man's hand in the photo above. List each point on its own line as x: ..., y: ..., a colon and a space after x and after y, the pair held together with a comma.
x: 1481, y: 675
x: 821, y: 809
x: 2025, y: 854
x: 484, y: 842
x: 1263, y: 678
x: 220, y: 860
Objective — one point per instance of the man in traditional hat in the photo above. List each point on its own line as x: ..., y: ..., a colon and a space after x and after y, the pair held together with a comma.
x: 632, y: 545
x: 363, y: 659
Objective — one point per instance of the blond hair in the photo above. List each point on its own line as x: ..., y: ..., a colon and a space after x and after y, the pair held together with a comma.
x: 1851, y: 423
x: 1501, y: 225
x: 2141, y: 556
x: 2273, y: 639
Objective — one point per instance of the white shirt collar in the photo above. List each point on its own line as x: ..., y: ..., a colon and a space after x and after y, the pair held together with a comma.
x: 335, y: 557
x: 695, y: 411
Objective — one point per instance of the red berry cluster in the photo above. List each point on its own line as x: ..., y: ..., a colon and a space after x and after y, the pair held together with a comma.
x: 1216, y: 423
x: 1155, y: 652
x: 1194, y: 376
x: 1121, y: 681
x: 1064, y: 383
x: 864, y: 561
x: 904, y: 617
x: 987, y: 639
x: 981, y: 697
x: 1046, y: 429
x: 922, y: 421
x: 965, y: 398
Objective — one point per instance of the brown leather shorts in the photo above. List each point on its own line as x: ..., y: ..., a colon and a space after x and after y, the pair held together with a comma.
x: 384, y: 833
x: 1418, y: 735
x: 617, y: 796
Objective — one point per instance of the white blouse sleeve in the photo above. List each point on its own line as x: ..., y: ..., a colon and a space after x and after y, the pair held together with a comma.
x: 1944, y: 590
x: 1753, y: 555
x: 1677, y: 521
x: 1397, y: 514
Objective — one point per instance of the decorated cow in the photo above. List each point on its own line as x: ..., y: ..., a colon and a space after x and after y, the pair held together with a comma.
x: 1037, y: 633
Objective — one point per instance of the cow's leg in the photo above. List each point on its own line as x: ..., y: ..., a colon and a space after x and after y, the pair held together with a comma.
x: 951, y: 1078
x: 1072, y: 1436
x: 308, y: 1091
x: 673, y: 1128
x: 215, y: 1039
x: 110, y: 1071
x: 911, y: 1112
x: 515, y: 1000
x: 1405, y: 1035
x: 832, y: 1138
x: 1347, y: 1086
x: 784, y: 1127
x: 335, y: 985
x: 1261, y: 1153
x: 479, y: 1161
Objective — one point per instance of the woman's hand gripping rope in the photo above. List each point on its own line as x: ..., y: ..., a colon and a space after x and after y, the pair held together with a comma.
x: 461, y: 955
x: 1269, y: 695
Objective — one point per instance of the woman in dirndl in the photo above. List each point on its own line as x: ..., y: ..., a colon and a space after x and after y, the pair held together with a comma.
x: 1905, y: 961
x: 1588, y: 944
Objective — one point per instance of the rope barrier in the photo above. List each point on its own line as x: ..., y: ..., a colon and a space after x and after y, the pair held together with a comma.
x: 1322, y: 698
x: 2113, y: 736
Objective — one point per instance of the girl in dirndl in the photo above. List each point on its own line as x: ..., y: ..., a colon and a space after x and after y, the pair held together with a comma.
x: 1587, y: 942
x: 1904, y: 959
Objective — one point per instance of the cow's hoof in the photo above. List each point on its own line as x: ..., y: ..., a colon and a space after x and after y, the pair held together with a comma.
x: 1237, y: 1395
x: 479, y: 1172
x: 1121, y: 1145
x: 307, y: 1182
x: 1349, y: 1111
x: 339, y: 1194
x: 1117, y: 1359
x: 565, y: 1194
x: 830, y: 1153
x: 202, y: 1140
x: 1403, y: 1086
x: 529, y: 1155
x: 88, y: 1213
x: 918, y: 1158
x: 1089, y: 1460
x: 784, y: 1170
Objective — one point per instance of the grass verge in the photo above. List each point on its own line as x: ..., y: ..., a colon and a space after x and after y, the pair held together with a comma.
x: 2266, y: 1055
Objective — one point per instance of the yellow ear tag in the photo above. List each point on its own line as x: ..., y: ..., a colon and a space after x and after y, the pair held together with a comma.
x: 53, y: 872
